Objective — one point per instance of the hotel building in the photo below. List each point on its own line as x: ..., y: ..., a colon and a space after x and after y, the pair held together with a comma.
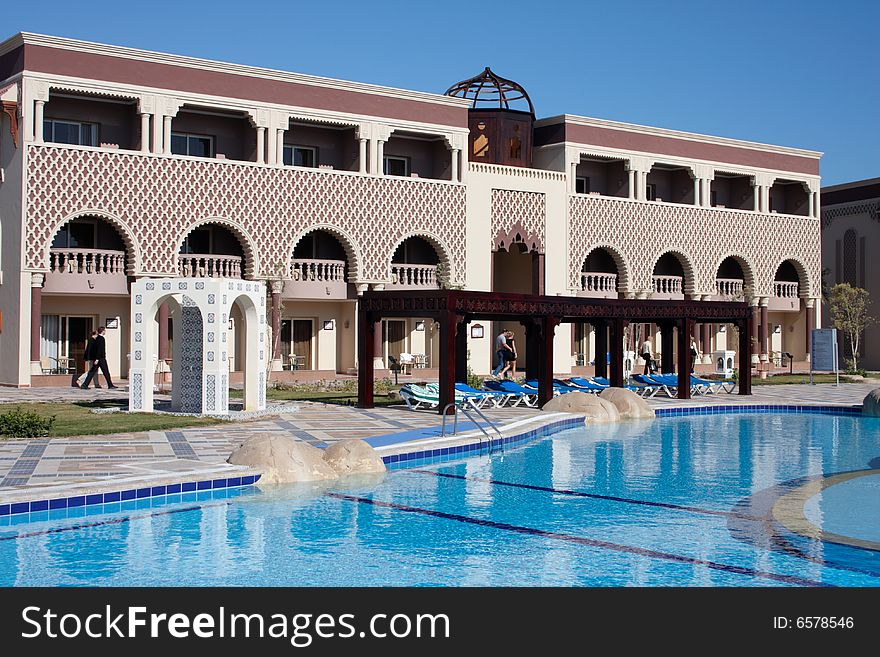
x: 119, y: 164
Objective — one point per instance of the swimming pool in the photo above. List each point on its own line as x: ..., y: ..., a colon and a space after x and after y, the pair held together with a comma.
x: 714, y: 500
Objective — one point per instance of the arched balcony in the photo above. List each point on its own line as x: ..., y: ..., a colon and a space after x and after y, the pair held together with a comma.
x: 414, y: 265
x: 730, y: 281
x: 599, y: 275
x: 87, y: 256
x: 318, y: 268
x: 668, y: 278
x: 211, y: 251
x: 786, y: 288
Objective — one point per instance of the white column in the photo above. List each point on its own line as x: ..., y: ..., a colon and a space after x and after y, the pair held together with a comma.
x: 166, y: 135
x: 817, y: 210
x: 757, y: 192
x: 697, y: 189
x: 573, y: 179
x: 271, y: 145
x: 279, y: 146
x: 145, y: 132
x: 454, y: 174
x: 632, y: 183
x: 38, y: 121
x: 380, y: 157
x: 362, y: 155
x: 765, y: 198
x: 811, y: 199
x: 261, y: 145
x: 643, y: 186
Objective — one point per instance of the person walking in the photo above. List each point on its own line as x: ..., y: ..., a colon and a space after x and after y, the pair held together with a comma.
x: 99, y: 360
x: 88, y: 356
x: 647, y: 354
x: 694, y: 354
x: 501, y: 349
x: 510, y: 357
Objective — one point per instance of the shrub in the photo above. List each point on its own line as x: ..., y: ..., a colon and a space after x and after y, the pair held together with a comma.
x: 25, y: 424
x: 474, y: 380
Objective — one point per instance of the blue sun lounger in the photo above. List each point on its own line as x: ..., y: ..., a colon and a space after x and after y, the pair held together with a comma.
x: 520, y: 394
x: 497, y: 398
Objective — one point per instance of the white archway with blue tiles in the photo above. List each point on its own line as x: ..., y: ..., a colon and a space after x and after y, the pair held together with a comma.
x: 200, y: 363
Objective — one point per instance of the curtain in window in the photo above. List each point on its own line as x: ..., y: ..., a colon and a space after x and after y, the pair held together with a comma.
x: 50, y: 337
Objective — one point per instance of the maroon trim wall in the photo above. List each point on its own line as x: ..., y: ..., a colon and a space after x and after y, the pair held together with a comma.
x: 167, y: 76
x: 12, y: 63
x: 634, y: 141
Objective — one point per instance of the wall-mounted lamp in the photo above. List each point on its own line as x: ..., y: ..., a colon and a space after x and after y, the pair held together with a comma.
x: 346, y: 324
x: 231, y: 325
x: 328, y: 324
x: 420, y: 326
x: 722, y: 329
x: 777, y: 328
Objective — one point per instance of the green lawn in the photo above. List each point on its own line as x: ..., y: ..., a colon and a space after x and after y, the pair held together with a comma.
x: 75, y: 419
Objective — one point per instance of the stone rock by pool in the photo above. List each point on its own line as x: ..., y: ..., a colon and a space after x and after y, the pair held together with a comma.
x: 871, y: 404
x: 283, y: 459
x: 353, y: 457
x: 629, y: 404
x: 593, y: 407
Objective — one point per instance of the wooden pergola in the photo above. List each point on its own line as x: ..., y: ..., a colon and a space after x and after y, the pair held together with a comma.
x: 455, y: 309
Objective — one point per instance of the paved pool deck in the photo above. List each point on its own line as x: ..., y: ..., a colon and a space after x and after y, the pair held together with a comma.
x: 44, y: 465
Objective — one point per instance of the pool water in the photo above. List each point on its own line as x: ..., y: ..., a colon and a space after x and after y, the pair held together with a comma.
x: 679, y: 501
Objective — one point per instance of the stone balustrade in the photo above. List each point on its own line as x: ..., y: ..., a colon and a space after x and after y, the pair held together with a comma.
x: 413, y: 276
x: 204, y: 265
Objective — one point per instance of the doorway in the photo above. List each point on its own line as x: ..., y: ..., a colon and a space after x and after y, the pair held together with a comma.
x: 394, y: 338
x: 301, y: 334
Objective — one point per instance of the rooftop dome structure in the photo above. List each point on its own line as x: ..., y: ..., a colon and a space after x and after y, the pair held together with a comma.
x: 490, y: 91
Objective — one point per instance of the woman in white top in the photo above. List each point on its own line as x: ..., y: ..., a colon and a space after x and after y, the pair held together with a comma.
x: 647, y: 354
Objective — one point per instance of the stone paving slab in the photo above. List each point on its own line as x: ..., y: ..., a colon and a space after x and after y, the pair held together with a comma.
x: 93, y: 459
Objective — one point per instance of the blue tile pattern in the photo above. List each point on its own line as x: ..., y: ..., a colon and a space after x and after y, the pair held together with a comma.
x: 140, y: 494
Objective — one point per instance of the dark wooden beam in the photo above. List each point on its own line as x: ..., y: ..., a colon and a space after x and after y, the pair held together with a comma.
x: 447, y: 361
x: 667, y: 340
x: 600, y: 367
x: 616, y: 349
x: 685, y: 331
x: 545, y: 370
x: 745, y: 357
x: 365, y: 359
x: 461, y: 350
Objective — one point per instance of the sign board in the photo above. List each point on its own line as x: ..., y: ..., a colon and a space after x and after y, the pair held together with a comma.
x: 823, y: 351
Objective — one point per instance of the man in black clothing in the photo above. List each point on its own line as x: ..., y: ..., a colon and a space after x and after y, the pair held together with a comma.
x: 87, y: 357
x: 98, y: 356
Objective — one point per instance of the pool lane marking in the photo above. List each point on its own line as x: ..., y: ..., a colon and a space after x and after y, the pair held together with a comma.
x: 111, y: 521
x: 583, y: 540
x: 595, y: 496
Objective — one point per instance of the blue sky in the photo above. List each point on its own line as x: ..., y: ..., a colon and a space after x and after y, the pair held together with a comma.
x: 801, y: 74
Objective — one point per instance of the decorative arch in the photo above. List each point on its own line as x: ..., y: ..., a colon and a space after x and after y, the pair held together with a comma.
x: 750, y: 280
x: 805, y: 282
x: 252, y: 264
x: 440, y: 247
x: 689, y: 285
x: 132, y: 248
x: 352, y: 252
x: 623, y: 268
x: 517, y: 234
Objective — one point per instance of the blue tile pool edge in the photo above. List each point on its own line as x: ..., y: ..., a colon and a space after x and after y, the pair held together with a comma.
x: 94, y: 499
x: 849, y: 411
x: 443, y: 454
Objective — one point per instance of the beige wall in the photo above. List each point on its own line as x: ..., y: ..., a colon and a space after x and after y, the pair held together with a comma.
x: 99, y: 309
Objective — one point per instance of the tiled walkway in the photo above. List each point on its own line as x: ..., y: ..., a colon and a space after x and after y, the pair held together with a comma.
x: 92, y: 458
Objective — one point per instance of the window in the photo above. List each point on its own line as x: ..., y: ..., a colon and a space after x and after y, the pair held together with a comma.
x: 581, y: 185
x: 78, y: 234
x: 396, y: 166
x: 300, y: 156
x: 650, y: 192
x: 70, y: 132
x: 194, y: 145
